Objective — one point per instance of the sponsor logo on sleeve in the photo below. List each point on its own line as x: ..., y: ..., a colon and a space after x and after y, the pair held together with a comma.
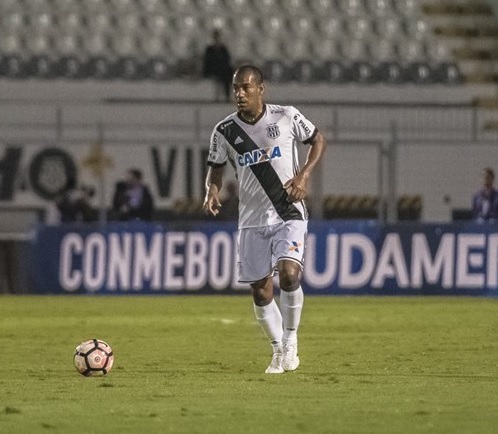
x: 305, y: 127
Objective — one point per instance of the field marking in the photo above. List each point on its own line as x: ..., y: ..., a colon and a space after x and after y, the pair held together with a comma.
x: 224, y: 320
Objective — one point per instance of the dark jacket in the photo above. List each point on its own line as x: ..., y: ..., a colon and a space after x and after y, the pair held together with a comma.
x: 123, y: 210
x: 485, y: 205
x: 217, y: 63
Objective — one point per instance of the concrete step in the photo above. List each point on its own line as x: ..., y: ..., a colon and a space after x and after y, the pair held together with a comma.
x: 457, y: 8
x: 467, y: 31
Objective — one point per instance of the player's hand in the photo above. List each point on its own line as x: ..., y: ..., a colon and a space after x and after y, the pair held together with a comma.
x: 211, y: 204
x: 296, y: 189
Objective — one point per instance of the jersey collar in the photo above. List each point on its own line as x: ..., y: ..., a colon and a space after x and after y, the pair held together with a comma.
x: 263, y: 112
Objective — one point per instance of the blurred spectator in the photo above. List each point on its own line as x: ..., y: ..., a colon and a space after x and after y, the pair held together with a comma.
x: 485, y: 201
x: 132, y: 199
x: 73, y: 203
x: 230, y: 204
x: 217, y: 65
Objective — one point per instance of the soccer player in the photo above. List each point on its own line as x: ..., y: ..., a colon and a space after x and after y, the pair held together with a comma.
x: 260, y: 140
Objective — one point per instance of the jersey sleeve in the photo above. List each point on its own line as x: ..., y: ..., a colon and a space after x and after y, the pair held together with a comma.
x: 218, y: 154
x: 303, y: 129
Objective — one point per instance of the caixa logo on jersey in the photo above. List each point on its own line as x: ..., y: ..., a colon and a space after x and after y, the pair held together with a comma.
x: 273, y: 131
x: 260, y: 155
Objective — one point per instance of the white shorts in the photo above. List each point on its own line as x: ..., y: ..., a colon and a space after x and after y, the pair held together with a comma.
x: 259, y: 249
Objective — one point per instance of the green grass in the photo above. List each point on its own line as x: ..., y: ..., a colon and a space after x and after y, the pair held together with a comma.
x: 195, y: 365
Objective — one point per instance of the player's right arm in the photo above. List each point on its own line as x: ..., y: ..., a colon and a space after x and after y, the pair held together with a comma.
x: 214, y: 179
x: 214, y: 182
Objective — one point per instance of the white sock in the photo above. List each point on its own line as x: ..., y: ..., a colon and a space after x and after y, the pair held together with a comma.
x: 270, y: 320
x: 291, y: 306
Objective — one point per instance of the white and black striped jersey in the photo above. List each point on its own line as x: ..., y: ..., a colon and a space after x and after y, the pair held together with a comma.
x: 264, y: 155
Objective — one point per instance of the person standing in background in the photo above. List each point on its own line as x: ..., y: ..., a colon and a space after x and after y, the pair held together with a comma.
x: 217, y: 65
x: 485, y: 201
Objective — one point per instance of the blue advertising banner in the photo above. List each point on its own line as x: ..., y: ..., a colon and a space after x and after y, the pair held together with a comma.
x: 342, y: 257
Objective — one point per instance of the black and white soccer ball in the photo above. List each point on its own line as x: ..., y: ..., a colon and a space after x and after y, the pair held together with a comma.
x: 93, y: 357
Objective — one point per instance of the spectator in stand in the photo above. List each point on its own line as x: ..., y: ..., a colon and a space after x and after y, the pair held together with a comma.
x: 132, y: 199
x: 217, y: 65
x: 485, y: 201
x: 230, y: 203
x: 73, y: 203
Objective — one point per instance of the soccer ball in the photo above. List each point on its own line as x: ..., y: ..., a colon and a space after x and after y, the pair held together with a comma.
x: 93, y: 357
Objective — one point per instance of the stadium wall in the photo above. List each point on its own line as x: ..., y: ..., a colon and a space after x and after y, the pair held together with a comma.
x: 442, y: 140
x: 444, y: 174
x: 194, y: 90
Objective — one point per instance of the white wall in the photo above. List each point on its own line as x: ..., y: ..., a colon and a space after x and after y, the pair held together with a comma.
x: 445, y: 176
x: 179, y: 114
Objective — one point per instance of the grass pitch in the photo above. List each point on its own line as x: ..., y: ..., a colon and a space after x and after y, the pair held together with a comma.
x: 195, y: 364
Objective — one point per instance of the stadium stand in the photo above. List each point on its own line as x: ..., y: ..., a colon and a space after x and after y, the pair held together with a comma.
x: 389, y: 41
x: 469, y: 30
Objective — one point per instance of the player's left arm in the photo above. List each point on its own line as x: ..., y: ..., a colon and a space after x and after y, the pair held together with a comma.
x: 298, y: 187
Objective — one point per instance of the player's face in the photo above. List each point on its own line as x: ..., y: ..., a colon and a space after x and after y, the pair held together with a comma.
x: 248, y: 94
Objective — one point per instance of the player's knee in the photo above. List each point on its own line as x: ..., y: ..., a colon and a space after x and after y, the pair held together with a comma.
x: 289, y: 278
x: 262, y: 293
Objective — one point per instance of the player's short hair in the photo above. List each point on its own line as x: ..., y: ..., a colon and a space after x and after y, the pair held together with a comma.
x: 250, y: 69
